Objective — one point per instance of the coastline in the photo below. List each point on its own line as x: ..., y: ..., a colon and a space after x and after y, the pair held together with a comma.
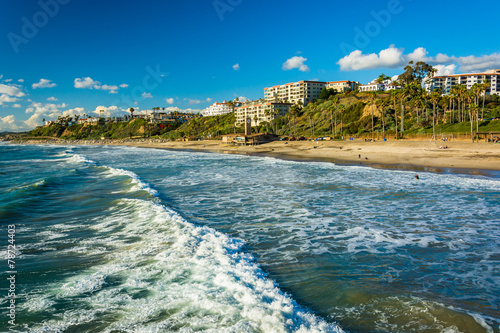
x: 462, y: 157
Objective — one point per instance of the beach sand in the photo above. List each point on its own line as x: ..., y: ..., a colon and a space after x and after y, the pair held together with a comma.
x: 390, y: 154
x: 401, y: 154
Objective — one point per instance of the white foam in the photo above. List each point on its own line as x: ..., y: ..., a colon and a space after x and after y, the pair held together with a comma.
x: 139, y: 184
x: 198, y: 275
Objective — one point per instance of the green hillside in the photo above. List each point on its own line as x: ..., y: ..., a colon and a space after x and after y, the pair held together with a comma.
x: 350, y: 114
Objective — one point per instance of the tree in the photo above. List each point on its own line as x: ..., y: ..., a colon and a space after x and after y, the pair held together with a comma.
x: 485, y: 85
x: 131, y: 111
x: 382, y: 77
x: 416, y: 72
x: 395, y: 96
x: 373, y: 95
x: 335, y: 102
x: 341, y: 109
x: 276, y: 112
x: 326, y: 93
x: 435, y: 97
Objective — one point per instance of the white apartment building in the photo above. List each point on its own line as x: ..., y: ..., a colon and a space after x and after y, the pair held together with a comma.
x: 341, y: 86
x: 304, y: 91
x: 385, y: 85
x: 260, y: 111
x: 218, y: 109
x: 372, y: 87
x: 446, y: 82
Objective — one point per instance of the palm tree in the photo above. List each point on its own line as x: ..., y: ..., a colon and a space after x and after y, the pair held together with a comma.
x: 485, y: 85
x: 435, y: 97
x: 395, y: 96
x: 381, y: 103
x: 473, y: 107
x: 276, y: 112
x: 267, y: 113
x: 132, y: 112
x: 373, y: 94
x: 335, y: 101
x: 341, y: 109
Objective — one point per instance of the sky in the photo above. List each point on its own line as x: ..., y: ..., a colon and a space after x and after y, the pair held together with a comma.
x: 69, y: 57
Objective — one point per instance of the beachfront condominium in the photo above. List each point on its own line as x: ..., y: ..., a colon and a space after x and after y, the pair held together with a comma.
x: 302, y: 91
x: 342, y: 86
x: 219, y: 109
x: 446, y: 82
x: 260, y: 111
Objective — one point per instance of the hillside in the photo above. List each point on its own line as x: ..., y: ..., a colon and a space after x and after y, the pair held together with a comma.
x: 121, y: 130
x: 351, y: 115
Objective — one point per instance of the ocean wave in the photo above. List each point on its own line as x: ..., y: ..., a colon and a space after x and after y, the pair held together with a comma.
x: 162, y: 273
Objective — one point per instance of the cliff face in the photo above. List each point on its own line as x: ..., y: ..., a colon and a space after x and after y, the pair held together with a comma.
x: 367, y: 111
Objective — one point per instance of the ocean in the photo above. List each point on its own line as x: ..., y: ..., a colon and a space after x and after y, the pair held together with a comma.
x: 122, y: 239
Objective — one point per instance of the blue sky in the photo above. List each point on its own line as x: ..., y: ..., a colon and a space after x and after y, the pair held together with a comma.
x: 64, y: 57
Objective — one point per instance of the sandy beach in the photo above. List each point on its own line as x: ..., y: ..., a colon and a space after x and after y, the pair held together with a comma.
x: 411, y: 154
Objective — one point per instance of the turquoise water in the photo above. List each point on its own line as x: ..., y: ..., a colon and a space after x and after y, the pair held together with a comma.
x: 118, y: 239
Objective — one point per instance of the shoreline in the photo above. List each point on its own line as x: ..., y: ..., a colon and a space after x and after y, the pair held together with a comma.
x: 460, y: 157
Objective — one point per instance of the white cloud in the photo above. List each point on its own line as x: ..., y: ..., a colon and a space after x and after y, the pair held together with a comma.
x: 111, y: 111
x: 393, y: 57
x: 17, y: 106
x: 296, y: 62
x: 40, y: 111
x: 197, y: 101
x: 11, y: 90
x: 8, y: 80
x: 388, y: 58
x: 51, y: 99
x: 236, y: 67
x: 146, y: 95
x: 107, y: 87
x: 43, y: 84
x: 20, y: 80
x: 175, y: 108
x: 4, y: 98
x: 169, y: 100
x: 445, y: 70
x: 87, y: 83
x: 8, y: 123
x: 473, y: 63
x: 243, y: 99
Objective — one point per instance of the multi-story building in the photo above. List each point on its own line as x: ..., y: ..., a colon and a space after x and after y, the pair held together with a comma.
x: 372, y: 87
x: 341, y: 86
x: 303, y: 91
x: 385, y: 85
x: 260, y: 111
x: 219, y: 109
x: 446, y: 82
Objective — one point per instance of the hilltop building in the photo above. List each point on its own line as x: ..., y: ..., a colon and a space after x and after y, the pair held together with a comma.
x: 385, y: 85
x: 303, y: 91
x: 446, y: 82
x: 219, y: 109
x: 342, y: 86
x: 260, y: 111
